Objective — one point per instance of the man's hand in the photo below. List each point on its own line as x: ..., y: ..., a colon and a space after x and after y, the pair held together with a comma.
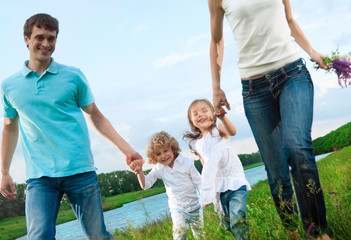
x: 133, y: 156
x: 7, y: 184
x: 136, y: 165
x: 220, y: 100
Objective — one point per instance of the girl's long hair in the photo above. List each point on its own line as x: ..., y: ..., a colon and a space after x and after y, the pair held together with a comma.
x: 195, y: 132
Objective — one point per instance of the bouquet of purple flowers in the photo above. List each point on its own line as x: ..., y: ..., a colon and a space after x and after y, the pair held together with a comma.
x: 341, y: 65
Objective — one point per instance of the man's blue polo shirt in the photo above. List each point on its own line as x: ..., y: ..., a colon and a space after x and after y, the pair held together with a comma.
x: 53, y: 129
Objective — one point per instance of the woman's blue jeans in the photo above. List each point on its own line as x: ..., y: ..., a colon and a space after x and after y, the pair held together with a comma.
x: 279, y: 108
x: 234, y: 208
x: 43, y: 199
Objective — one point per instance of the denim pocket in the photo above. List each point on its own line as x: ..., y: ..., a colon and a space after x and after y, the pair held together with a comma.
x: 246, y: 93
x: 299, y: 69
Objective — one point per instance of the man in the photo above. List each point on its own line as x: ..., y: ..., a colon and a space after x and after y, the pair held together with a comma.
x: 45, y: 101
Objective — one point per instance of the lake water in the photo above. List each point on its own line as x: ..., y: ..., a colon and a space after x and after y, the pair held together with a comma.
x: 139, y: 212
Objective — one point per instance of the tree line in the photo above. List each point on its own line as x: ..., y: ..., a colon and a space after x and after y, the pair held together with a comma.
x: 334, y: 140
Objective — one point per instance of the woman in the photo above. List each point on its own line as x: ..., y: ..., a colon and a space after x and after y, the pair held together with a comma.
x: 278, y: 101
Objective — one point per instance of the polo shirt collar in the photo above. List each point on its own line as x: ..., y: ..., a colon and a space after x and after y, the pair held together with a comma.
x: 53, y: 68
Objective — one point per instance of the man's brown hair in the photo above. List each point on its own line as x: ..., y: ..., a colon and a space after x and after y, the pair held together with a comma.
x: 40, y: 20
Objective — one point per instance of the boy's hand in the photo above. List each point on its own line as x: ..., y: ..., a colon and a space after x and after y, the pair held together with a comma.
x: 136, y: 165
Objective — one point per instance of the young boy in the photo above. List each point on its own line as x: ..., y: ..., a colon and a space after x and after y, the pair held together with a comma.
x: 182, y: 182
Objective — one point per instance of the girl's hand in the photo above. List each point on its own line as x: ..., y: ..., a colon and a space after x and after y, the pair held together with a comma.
x: 220, y: 113
x: 206, y: 205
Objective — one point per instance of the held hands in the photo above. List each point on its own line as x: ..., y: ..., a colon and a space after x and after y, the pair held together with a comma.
x: 220, y: 113
x: 136, y: 165
x: 6, y: 185
x: 131, y: 157
x: 220, y: 100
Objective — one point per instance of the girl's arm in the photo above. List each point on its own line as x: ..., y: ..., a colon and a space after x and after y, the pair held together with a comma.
x: 195, y: 177
x: 226, y: 127
x: 216, y: 52
x: 300, y: 37
x: 201, y: 159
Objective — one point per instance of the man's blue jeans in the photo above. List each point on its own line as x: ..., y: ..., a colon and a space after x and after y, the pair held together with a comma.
x: 279, y: 108
x: 43, y: 199
x: 234, y: 208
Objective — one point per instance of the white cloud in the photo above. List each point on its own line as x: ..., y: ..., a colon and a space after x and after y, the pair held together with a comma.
x: 195, y: 39
x: 144, y: 27
x: 322, y: 127
x: 175, y: 58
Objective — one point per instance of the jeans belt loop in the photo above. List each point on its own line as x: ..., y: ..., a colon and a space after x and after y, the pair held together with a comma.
x: 250, y: 85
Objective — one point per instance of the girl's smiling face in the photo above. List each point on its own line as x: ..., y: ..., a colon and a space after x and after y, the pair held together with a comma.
x: 202, y: 116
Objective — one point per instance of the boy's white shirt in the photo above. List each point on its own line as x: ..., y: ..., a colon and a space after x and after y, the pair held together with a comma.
x: 182, y: 182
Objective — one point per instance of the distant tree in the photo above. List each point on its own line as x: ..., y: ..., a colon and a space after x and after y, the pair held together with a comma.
x: 248, y: 159
x: 13, y: 208
x: 198, y: 165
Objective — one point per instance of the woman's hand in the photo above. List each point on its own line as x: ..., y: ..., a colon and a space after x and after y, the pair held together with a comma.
x: 318, y: 58
x: 220, y: 100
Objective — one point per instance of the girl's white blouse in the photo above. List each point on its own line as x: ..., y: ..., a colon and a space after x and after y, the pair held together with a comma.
x: 222, y: 170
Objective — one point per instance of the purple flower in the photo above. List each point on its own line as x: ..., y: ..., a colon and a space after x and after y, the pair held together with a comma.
x: 341, y: 65
x: 343, y: 71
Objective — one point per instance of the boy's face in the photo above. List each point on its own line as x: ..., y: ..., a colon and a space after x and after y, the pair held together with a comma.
x: 201, y: 116
x: 41, y: 44
x: 165, y: 156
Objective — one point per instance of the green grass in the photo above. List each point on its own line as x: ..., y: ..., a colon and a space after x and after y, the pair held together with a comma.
x: 11, y: 228
x: 335, y: 176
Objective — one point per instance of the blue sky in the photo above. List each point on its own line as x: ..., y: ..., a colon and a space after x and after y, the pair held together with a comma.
x: 147, y: 60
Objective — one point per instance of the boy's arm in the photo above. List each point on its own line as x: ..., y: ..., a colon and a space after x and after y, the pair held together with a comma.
x: 103, y: 126
x: 8, y: 146
x: 141, y: 178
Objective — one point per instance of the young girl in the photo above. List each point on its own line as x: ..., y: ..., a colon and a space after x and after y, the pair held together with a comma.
x: 182, y: 181
x: 222, y: 173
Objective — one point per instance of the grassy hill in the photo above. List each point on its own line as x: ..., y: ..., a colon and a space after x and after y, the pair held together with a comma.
x: 334, y: 140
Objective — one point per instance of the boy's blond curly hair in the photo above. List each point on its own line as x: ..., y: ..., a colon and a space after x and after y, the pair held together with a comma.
x: 160, y: 140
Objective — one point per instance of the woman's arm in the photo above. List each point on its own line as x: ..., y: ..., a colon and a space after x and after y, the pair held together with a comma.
x: 300, y: 37
x: 216, y: 52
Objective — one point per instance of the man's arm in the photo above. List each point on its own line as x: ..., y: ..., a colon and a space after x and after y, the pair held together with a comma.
x: 103, y: 126
x: 8, y: 146
x: 216, y: 52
